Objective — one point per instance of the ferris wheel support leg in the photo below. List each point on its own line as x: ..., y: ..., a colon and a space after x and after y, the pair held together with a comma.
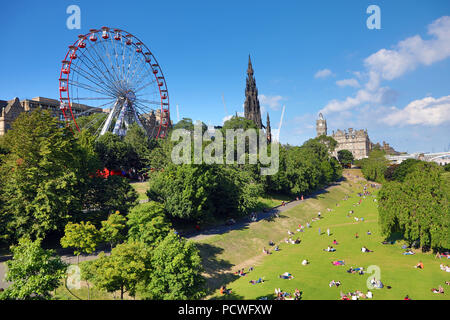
x: 109, y: 119
x: 119, y: 121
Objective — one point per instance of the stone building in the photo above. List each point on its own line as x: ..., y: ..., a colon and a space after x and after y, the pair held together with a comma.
x: 10, y: 110
x: 355, y: 141
x: 252, y: 110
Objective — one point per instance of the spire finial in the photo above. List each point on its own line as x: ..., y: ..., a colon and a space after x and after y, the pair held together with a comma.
x: 250, y: 67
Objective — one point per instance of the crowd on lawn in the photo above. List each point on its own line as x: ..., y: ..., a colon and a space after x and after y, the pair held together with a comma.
x: 280, y: 295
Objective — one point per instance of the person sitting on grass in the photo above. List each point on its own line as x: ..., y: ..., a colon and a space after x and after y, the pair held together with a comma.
x: 419, y: 265
x: 224, y: 290
x: 271, y: 243
x: 297, y: 294
x: 335, y: 242
x: 305, y: 262
x: 266, y: 251
x: 369, y: 233
x: 276, y: 248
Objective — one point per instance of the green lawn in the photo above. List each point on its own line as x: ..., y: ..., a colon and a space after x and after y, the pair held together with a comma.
x: 141, y: 188
x: 242, y: 248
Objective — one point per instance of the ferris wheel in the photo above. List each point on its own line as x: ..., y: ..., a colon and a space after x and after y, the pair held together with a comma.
x: 113, y: 70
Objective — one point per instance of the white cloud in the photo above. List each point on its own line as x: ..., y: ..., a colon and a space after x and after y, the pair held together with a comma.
x: 413, y: 51
x: 273, y: 102
x: 427, y: 111
x: 388, y: 64
x: 323, y: 73
x: 348, y: 83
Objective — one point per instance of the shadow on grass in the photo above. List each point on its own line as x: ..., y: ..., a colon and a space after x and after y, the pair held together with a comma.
x: 218, y: 270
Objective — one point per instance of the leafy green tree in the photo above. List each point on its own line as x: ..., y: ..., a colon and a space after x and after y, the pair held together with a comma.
x: 128, y: 265
x: 137, y: 139
x: 374, y: 167
x: 112, y: 229
x: 238, y: 123
x: 345, y: 157
x: 147, y: 223
x: 108, y: 195
x: 176, y: 271
x: 418, y: 207
x: 404, y: 168
x: 115, y: 153
x: 92, y: 123
x: 33, y: 271
x: 44, y: 176
x: 330, y: 142
x: 84, y: 237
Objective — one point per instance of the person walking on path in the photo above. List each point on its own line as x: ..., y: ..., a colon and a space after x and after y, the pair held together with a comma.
x: 328, y: 231
x: 320, y: 232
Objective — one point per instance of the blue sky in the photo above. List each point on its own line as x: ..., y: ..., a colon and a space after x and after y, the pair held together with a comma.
x: 396, y: 79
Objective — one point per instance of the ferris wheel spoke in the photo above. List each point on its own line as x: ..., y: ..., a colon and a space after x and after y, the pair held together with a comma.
x: 138, y: 69
x: 108, y: 53
x: 129, y: 65
x: 144, y: 86
x: 92, y: 73
x: 142, y: 74
x: 107, y: 76
x: 88, y: 87
x: 103, y: 62
x: 149, y: 101
x: 85, y: 74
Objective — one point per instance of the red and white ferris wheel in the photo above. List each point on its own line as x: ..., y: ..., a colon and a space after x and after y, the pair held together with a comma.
x: 112, y: 69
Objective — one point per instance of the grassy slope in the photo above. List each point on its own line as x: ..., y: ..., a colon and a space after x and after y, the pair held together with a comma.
x: 243, y: 248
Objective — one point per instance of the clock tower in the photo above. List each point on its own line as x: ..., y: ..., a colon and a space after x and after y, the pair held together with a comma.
x: 321, y: 126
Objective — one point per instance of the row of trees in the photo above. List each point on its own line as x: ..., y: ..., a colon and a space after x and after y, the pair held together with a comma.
x: 199, y: 192
x: 147, y: 259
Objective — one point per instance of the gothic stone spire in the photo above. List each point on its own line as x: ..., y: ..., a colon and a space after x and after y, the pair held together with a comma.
x: 268, y: 130
x: 252, y: 110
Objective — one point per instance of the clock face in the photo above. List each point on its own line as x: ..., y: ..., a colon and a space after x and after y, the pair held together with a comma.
x: 320, y: 124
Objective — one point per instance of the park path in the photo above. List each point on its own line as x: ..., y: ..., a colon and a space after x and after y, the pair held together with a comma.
x: 243, y: 222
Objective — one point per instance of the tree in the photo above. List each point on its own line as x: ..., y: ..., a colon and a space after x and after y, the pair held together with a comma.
x: 84, y: 237
x: 176, y: 271
x: 418, y: 207
x: 147, y: 223
x: 33, y: 271
x: 44, y: 176
x: 345, y: 157
x: 112, y: 229
x: 374, y: 167
x: 115, y: 153
x: 128, y: 265
x: 403, y: 169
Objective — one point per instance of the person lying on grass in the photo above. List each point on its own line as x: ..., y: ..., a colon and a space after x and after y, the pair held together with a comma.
x: 364, y: 249
x: 408, y: 252
x: 440, y: 290
x: 330, y: 249
x: 286, y: 275
x: 256, y: 281
x: 338, y: 263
